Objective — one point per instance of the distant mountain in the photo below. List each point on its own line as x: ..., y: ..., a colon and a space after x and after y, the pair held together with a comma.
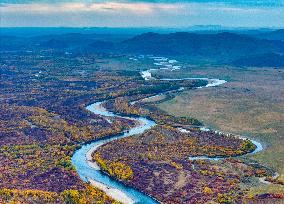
x: 220, y: 47
x: 274, y: 35
x: 103, y: 46
x: 54, y: 44
x: 40, y: 31
x: 74, y: 40
x: 261, y: 60
x: 11, y: 43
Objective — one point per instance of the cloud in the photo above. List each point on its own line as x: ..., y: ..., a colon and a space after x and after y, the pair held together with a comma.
x: 249, y: 3
x: 138, y: 14
x: 138, y: 8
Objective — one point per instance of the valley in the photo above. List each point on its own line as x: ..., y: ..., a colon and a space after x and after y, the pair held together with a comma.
x: 120, y: 127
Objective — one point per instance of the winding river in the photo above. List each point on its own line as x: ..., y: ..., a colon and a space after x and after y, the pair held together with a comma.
x: 89, y: 171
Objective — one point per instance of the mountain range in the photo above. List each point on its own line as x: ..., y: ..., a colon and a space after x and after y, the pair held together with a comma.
x: 264, y: 49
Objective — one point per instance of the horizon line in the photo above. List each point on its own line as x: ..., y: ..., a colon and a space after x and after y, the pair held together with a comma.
x: 151, y: 27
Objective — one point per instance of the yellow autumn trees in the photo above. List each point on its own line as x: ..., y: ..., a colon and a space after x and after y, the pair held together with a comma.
x: 117, y: 169
x: 87, y: 196
x: 207, y: 190
x: 28, y: 196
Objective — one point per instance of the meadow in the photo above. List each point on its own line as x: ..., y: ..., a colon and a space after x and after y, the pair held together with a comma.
x: 250, y: 104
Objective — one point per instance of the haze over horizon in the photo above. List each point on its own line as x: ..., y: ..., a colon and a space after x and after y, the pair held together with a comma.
x: 141, y: 13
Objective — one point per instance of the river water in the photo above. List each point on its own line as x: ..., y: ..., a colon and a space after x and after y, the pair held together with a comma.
x: 88, y: 170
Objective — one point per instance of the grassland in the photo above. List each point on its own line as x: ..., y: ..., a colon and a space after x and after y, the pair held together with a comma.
x: 250, y: 104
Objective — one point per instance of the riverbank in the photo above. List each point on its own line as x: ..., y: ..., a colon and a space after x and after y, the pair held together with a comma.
x: 88, y: 170
x: 112, y: 192
x: 89, y: 159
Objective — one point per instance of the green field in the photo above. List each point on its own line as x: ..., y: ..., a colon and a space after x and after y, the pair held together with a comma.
x: 250, y: 104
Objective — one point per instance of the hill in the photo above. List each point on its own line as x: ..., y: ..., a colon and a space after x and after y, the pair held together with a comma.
x: 261, y: 60
x: 274, y: 35
x: 221, y: 47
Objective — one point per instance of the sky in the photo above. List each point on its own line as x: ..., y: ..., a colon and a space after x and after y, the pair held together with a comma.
x: 141, y: 13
